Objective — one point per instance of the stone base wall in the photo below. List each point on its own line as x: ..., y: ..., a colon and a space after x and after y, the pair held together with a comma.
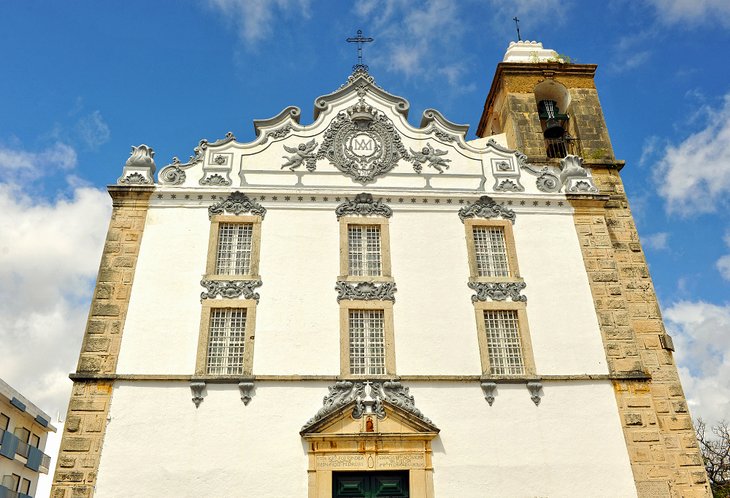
x: 78, y: 458
x: 660, y: 438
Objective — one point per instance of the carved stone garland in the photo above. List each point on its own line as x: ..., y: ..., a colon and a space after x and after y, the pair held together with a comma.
x: 365, y: 291
x: 497, y: 291
x: 237, y: 203
x: 363, y: 205
x: 486, y: 207
x: 230, y: 289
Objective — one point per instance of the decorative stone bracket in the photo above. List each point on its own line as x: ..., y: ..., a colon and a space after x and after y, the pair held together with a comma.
x: 197, y: 389
x: 489, y: 388
x: 535, y: 387
x: 247, y: 390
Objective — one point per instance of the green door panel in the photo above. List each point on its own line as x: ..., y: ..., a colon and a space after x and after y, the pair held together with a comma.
x: 370, y: 484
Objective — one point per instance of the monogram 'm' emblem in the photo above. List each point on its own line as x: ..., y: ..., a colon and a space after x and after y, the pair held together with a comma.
x: 362, y: 143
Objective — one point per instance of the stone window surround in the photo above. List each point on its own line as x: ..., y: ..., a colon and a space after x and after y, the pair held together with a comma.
x: 528, y: 357
x: 509, y: 241
x: 215, y: 222
x: 383, y: 223
x: 389, y: 336
x: 207, y: 305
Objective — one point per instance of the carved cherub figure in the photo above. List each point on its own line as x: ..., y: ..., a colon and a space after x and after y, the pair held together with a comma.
x: 303, y: 152
x: 430, y: 156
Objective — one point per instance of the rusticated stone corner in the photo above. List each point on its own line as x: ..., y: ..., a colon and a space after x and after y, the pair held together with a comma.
x: 657, y: 426
x: 78, y: 459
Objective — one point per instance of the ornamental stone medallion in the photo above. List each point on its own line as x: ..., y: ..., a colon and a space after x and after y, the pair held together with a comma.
x: 362, y: 143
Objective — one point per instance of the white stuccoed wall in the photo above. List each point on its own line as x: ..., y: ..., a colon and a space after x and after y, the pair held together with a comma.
x: 571, y: 445
x: 297, y: 329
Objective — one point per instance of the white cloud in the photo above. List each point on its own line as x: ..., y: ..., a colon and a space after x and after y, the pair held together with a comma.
x: 657, y: 241
x: 694, y: 176
x: 27, y: 164
x: 418, y: 40
x: 723, y: 263
x: 49, y: 255
x: 699, y: 330
x: 255, y: 19
x: 692, y: 12
x: 93, y: 130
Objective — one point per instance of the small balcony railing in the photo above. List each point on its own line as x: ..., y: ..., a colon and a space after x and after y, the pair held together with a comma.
x: 31, y: 454
x: 561, y: 147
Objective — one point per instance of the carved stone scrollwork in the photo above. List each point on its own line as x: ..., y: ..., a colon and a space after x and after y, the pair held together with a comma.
x: 362, y: 143
x: 230, y: 289
x: 363, y: 205
x: 365, y: 291
x: 139, y: 168
x: 197, y: 388
x: 547, y: 182
x: 497, y: 291
x: 508, y: 185
x: 246, y: 389
x: 215, y: 180
x: 237, y: 203
x: 535, y: 387
x: 486, y: 207
x: 489, y: 388
x: 278, y: 133
x: 173, y: 174
x: 368, y: 398
x: 574, y: 176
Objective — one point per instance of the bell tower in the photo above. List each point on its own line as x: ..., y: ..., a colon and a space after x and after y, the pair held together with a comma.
x: 548, y: 109
x: 546, y: 106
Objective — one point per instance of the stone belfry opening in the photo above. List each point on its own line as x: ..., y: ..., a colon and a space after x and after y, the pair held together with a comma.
x: 547, y: 108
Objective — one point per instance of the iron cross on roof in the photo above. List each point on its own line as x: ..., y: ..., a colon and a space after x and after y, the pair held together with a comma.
x: 359, y: 39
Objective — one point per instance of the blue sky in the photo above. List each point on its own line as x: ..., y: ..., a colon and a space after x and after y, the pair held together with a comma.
x: 83, y: 81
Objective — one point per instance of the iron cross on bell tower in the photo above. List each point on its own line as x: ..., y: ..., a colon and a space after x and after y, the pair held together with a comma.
x: 359, y: 39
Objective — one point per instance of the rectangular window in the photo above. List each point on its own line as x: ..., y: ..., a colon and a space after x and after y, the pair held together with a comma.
x: 35, y: 440
x: 235, y: 244
x: 25, y: 487
x: 233, y: 249
x: 226, y: 339
x: 503, y: 334
x: 490, y: 251
x: 367, y: 342
x: 503, y: 342
x: 22, y: 433
x: 11, y: 481
x: 4, y: 422
x: 364, y: 254
x: 364, y: 249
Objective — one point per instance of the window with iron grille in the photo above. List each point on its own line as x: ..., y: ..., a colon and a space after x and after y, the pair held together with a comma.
x: 367, y: 342
x: 503, y: 342
x: 235, y: 244
x: 490, y: 251
x: 226, y: 337
x: 364, y: 252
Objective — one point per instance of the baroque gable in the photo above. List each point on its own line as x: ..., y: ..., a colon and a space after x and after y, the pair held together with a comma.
x: 361, y: 136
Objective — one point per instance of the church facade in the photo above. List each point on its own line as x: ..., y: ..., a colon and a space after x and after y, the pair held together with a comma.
x: 361, y: 307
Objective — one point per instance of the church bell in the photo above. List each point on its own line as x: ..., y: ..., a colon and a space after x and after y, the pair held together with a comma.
x: 553, y: 128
